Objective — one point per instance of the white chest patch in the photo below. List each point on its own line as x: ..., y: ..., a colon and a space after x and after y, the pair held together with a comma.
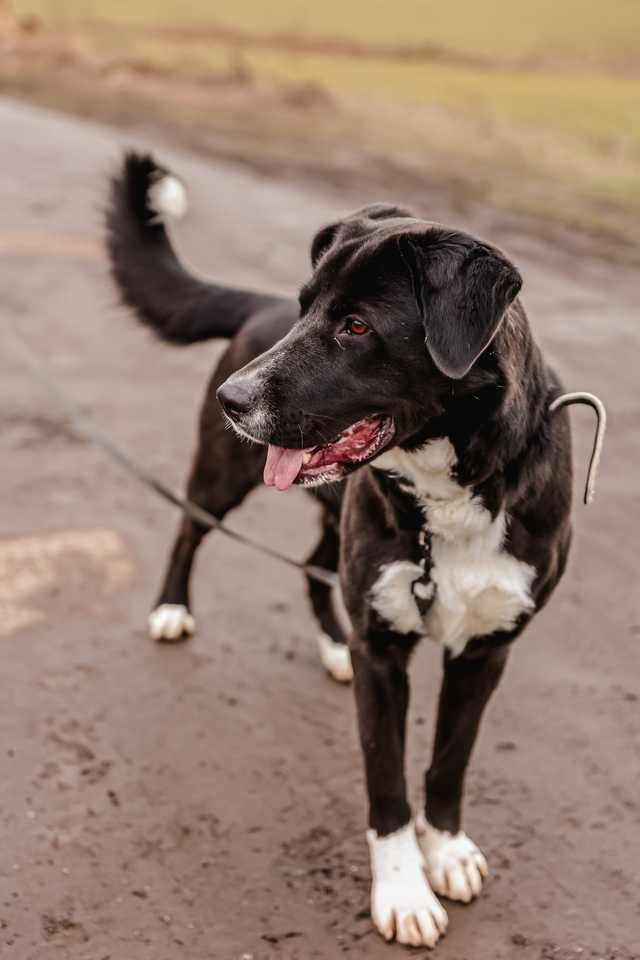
x: 478, y: 586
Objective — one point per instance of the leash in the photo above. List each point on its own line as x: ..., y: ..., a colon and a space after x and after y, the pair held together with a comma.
x: 590, y: 399
x: 79, y: 426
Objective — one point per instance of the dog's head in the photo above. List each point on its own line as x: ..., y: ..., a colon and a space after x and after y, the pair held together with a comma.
x: 397, y: 310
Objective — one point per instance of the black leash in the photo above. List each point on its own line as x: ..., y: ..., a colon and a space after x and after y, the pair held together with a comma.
x: 79, y: 427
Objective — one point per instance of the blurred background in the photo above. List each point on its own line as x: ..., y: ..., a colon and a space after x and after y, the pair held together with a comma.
x: 205, y: 800
x: 529, y: 107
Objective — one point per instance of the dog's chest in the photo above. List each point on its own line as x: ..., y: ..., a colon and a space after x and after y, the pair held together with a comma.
x: 468, y: 584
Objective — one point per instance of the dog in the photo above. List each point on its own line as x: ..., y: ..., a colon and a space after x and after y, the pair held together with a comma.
x: 406, y: 392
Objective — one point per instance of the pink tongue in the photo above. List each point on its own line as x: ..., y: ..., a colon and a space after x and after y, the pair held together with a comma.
x: 282, y: 466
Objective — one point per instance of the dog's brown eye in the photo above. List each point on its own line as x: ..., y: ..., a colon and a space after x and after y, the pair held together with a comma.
x: 356, y: 327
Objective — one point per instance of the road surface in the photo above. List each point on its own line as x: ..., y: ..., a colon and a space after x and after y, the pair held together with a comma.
x: 206, y: 800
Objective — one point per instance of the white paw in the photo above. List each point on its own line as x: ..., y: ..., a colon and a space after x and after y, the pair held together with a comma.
x: 335, y: 658
x: 402, y: 902
x: 455, y: 866
x: 171, y: 621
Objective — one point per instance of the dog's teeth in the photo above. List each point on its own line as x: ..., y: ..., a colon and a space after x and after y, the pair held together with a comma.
x: 306, y: 456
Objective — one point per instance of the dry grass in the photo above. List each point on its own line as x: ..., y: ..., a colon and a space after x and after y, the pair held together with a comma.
x: 530, y: 107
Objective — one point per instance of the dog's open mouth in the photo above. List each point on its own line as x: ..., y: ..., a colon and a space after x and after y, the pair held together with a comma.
x: 355, y: 445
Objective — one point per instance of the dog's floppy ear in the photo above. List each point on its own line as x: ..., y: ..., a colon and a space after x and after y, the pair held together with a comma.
x: 383, y: 211
x: 322, y: 241
x: 462, y: 293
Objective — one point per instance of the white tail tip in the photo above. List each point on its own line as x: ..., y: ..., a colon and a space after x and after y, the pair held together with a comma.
x: 167, y: 197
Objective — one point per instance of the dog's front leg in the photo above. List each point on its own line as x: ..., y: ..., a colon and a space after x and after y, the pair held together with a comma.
x: 455, y: 866
x: 402, y: 903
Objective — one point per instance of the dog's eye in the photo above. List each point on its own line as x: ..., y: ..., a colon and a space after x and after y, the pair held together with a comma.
x: 356, y: 327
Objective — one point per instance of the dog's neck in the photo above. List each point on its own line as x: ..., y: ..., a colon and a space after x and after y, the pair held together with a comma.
x: 488, y: 428
x: 427, y: 472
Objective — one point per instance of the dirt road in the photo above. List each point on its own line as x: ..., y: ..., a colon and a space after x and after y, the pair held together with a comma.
x: 206, y: 801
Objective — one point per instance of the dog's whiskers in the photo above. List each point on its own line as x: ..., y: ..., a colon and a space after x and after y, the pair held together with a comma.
x: 319, y: 416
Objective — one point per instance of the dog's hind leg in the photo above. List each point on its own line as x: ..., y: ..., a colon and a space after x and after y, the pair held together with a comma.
x: 225, y: 470
x: 455, y: 866
x: 332, y: 642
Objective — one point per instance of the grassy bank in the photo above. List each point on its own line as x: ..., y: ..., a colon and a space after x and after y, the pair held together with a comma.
x: 531, y: 108
x: 499, y: 28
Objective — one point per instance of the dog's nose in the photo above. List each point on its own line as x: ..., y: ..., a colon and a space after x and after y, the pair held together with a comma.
x: 236, y: 397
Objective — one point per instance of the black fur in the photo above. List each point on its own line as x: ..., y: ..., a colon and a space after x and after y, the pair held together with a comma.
x: 179, y: 308
x: 448, y: 352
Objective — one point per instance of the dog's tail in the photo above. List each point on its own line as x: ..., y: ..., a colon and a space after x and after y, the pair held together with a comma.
x: 179, y: 307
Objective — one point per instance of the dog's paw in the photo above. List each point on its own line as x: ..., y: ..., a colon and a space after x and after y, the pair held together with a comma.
x: 455, y: 867
x: 402, y: 902
x: 335, y: 658
x: 171, y: 621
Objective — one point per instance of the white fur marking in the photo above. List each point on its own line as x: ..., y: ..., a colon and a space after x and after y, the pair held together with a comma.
x: 423, y: 590
x: 402, y: 902
x: 258, y: 422
x: 479, y: 586
x: 335, y: 658
x: 455, y: 866
x: 168, y: 198
x: 392, y: 599
x: 170, y: 621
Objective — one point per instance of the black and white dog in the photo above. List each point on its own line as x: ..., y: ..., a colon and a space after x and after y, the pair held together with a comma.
x: 407, y: 390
